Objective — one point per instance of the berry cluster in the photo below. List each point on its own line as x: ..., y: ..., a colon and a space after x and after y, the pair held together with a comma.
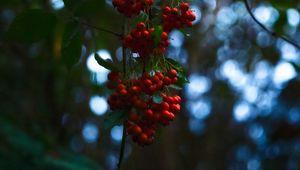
x: 137, y: 96
x: 177, y: 18
x: 146, y: 99
x: 140, y: 40
x: 131, y: 7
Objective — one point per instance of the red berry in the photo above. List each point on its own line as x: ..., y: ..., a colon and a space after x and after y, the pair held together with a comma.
x: 146, y: 34
x: 147, y: 82
x: 174, y: 80
x: 151, y: 30
x: 150, y: 132
x: 123, y: 92
x: 167, y: 80
x: 164, y: 36
x: 172, y: 73
x: 160, y: 75
x: 145, y: 75
x: 112, y: 76
x: 175, y: 107
x: 165, y: 106
x: 136, y: 130
x: 184, y: 6
x: 174, y: 11
x: 153, y: 88
x: 177, y: 99
x: 168, y: 115
x: 155, y: 79
x: 133, y: 117
x: 121, y: 87
x: 149, y: 2
x: 167, y: 10
x: 135, y: 89
x: 143, y: 138
x: 149, y: 114
x: 140, y: 26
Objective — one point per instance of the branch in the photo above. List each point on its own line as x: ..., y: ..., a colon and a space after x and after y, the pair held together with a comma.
x: 122, y: 147
x: 123, y: 49
x: 124, y: 124
x: 274, y: 34
x: 98, y: 28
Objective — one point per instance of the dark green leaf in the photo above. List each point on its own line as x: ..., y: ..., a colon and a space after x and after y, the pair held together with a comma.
x: 296, y: 66
x: 284, y: 5
x: 32, y: 25
x: 174, y: 64
x: 108, y: 64
x: 157, y: 98
x: 19, y: 140
x: 182, y: 79
x: 71, y: 44
x: 279, y: 25
x: 71, y: 4
x: 68, y: 161
x: 157, y: 34
x: 85, y: 7
x: 113, y: 119
x: 89, y: 8
x: 173, y: 86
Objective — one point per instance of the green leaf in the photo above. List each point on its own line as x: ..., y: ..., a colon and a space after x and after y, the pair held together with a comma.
x: 64, y: 160
x: 32, y: 26
x: 71, y: 4
x: 157, y: 98
x: 71, y: 44
x: 85, y: 7
x: 284, y: 5
x: 279, y: 25
x: 157, y: 34
x: 108, y: 64
x: 182, y: 79
x: 89, y: 8
x: 113, y: 119
x: 174, y: 64
x: 176, y: 87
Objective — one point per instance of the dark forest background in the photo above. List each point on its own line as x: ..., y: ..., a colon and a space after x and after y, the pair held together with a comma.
x: 241, y: 109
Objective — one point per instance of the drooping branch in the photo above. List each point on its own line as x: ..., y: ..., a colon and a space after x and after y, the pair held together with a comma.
x: 273, y: 33
x: 98, y: 28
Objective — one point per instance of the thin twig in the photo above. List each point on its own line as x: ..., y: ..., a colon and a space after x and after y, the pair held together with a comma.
x: 98, y: 28
x: 123, y: 49
x: 124, y: 125
x: 122, y: 147
x: 268, y: 30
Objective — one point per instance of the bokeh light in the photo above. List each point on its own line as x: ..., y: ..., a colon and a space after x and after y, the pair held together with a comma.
x: 116, y: 133
x: 242, y: 111
x: 98, y: 105
x: 57, y: 4
x: 90, y: 132
x: 197, y: 86
x: 293, y: 17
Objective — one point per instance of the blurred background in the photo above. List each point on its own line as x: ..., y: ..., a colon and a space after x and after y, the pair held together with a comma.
x: 241, y: 110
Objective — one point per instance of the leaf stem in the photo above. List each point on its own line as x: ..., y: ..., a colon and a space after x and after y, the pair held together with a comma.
x: 268, y: 30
